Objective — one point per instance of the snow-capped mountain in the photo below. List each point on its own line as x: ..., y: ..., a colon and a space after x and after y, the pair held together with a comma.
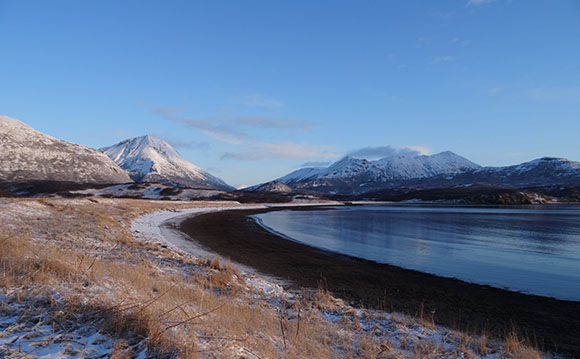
x: 356, y: 175
x: 442, y: 170
x: 540, y: 172
x: 444, y: 163
x: 28, y: 155
x: 151, y: 159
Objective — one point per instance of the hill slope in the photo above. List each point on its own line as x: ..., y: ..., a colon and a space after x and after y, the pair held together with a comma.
x: 27, y: 155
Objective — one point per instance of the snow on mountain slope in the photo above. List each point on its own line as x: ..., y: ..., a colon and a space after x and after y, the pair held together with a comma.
x: 539, y: 172
x: 400, y: 167
x: 548, y: 164
x: 301, y: 174
x: 407, y: 167
x: 29, y: 155
x: 348, y: 167
x: 151, y: 159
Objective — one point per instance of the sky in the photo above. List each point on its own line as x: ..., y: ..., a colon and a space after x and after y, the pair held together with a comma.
x: 251, y: 90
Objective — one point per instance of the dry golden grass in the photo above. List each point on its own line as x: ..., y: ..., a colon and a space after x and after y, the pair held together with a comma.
x: 426, y: 320
x: 516, y: 347
x: 123, y: 283
x: 142, y: 292
x: 482, y: 345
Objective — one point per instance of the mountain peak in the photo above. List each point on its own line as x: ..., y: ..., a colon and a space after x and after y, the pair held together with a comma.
x: 554, y: 163
x: 151, y: 159
x: 152, y: 140
x: 10, y: 122
x: 147, y: 140
x: 452, y: 157
x: 553, y: 159
x: 350, y: 160
x: 446, y: 153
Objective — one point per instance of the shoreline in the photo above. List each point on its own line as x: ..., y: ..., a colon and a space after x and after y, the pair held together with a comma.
x: 231, y: 233
x: 163, y: 227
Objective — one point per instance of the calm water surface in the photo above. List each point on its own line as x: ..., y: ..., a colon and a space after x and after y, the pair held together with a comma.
x: 532, y: 249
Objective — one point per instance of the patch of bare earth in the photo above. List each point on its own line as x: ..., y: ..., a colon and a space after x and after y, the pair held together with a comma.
x: 75, y: 283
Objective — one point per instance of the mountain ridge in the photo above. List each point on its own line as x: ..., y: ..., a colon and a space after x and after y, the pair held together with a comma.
x: 442, y: 170
x: 351, y: 174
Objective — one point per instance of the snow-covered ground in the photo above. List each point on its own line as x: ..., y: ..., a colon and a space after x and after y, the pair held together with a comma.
x: 25, y: 332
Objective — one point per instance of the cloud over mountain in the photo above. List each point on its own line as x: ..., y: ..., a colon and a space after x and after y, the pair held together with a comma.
x: 388, y: 151
x: 263, y: 151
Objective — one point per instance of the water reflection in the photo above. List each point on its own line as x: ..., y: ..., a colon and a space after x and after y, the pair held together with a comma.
x: 532, y: 249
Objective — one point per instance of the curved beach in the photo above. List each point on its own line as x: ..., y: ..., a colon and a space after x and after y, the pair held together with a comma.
x: 552, y: 323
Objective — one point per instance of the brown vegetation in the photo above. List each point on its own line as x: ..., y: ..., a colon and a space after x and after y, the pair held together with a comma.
x: 78, y: 260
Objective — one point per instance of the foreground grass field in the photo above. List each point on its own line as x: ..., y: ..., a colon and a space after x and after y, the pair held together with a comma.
x: 75, y: 282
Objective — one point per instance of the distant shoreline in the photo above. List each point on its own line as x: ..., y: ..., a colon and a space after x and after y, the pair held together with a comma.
x: 234, y: 234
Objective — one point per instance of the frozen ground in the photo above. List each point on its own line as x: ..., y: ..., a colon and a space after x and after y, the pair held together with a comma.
x: 28, y: 329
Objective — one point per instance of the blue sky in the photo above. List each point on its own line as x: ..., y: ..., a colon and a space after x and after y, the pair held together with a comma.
x: 251, y: 90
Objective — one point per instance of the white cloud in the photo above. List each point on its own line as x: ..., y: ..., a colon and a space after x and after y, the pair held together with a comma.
x: 494, y: 90
x: 316, y: 164
x: 370, y: 153
x: 213, y: 128
x: 478, y: 2
x: 243, y: 132
x: 263, y: 151
x: 186, y: 144
x: 232, y: 130
x: 272, y: 122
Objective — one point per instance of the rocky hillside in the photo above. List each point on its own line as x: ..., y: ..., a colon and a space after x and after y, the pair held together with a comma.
x: 27, y: 155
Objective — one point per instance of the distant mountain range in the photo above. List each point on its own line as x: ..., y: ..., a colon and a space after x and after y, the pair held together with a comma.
x: 28, y: 155
x: 33, y: 162
x: 151, y: 159
x: 352, y: 176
